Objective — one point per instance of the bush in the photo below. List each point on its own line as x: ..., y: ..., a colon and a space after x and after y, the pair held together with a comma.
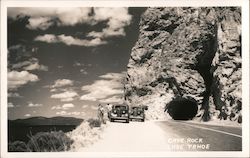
x: 49, y: 142
x: 94, y: 123
x: 17, y: 146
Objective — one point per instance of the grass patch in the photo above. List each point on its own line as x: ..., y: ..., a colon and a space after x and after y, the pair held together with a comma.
x: 43, y: 142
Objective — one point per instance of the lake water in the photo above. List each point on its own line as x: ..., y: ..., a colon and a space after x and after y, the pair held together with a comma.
x: 22, y: 133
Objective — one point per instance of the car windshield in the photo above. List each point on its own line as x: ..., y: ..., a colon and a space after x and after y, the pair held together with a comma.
x: 120, y: 107
x: 136, y: 108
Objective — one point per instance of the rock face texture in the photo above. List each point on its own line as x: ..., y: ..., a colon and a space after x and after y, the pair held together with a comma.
x: 188, y: 54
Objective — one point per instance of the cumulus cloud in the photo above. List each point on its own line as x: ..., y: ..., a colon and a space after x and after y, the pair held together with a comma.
x: 64, y: 106
x: 83, y: 71
x: 42, y: 18
x: 76, y: 113
x: 49, y: 38
x: 117, y: 18
x: 17, y: 79
x: 113, y: 76
x: 77, y: 64
x: 62, y: 83
x: 61, y: 113
x: 67, y: 106
x: 69, y: 40
x: 85, y: 106
x: 14, y: 95
x: 27, y: 115
x: 11, y: 105
x: 32, y: 64
x: 34, y: 105
x: 65, y: 96
x: 42, y: 23
x: 103, y: 88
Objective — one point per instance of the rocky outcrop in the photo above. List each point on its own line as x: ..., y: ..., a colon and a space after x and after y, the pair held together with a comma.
x: 191, y: 54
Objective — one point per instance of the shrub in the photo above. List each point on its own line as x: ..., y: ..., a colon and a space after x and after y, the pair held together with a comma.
x: 49, y: 142
x: 17, y: 146
x: 94, y: 123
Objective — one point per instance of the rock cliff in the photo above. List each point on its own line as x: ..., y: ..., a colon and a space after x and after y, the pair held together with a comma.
x: 187, y: 62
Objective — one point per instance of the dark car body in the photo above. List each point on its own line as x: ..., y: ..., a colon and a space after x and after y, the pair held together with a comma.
x: 137, y: 113
x: 119, y: 112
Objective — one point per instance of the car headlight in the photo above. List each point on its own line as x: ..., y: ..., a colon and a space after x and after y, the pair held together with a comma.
x: 123, y: 112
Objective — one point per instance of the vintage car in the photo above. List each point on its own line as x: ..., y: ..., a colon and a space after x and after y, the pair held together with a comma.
x: 137, y: 113
x: 119, y: 112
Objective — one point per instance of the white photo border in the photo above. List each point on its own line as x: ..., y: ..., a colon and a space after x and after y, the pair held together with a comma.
x: 244, y: 4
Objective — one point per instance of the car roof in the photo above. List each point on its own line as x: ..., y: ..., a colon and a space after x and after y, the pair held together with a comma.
x: 121, y: 105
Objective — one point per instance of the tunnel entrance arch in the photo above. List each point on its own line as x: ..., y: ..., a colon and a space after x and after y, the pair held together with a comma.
x: 182, y: 108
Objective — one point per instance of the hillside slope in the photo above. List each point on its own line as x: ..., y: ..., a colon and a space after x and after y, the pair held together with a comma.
x: 35, y: 121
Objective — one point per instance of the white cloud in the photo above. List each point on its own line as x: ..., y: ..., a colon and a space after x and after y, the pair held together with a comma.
x: 69, y: 40
x: 78, y: 64
x: 113, y: 99
x: 49, y: 38
x: 36, y: 66
x: 32, y: 64
x: 101, y: 89
x: 65, y: 96
x: 62, y: 83
x: 85, y: 106
x: 17, y: 79
x: 70, y: 113
x: 34, y: 105
x: 27, y: 115
x: 61, y: 113
x: 67, y: 106
x: 117, y: 18
x: 75, y: 113
x: 57, y: 107
x: 11, y: 105
x: 83, y: 71
x: 42, y: 23
x: 53, y: 90
x: 42, y: 18
x: 64, y: 106
x: 113, y: 76
x: 14, y: 95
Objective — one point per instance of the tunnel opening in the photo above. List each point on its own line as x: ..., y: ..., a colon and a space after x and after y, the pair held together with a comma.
x: 182, y: 108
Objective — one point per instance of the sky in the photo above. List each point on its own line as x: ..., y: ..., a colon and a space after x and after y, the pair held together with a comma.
x: 65, y: 61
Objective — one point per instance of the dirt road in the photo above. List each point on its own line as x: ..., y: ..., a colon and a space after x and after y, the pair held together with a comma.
x: 131, y: 137
x: 162, y: 136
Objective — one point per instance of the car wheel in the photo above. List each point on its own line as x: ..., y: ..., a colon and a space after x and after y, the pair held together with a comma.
x: 127, y: 121
x: 112, y: 120
x: 142, y: 120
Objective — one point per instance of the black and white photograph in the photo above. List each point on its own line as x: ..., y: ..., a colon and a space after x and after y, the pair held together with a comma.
x: 109, y: 80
